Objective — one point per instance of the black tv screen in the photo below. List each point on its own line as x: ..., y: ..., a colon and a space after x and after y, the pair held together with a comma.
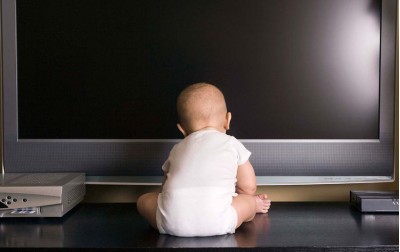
x: 90, y: 86
x: 98, y: 69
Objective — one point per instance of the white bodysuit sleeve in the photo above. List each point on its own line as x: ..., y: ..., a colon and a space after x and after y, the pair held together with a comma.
x: 167, y: 163
x: 243, y: 154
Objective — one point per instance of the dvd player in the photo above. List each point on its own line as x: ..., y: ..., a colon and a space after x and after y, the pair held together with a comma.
x: 40, y: 194
x: 375, y: 201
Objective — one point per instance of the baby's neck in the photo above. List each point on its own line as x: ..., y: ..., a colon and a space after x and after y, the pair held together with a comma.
x: 209, y: 128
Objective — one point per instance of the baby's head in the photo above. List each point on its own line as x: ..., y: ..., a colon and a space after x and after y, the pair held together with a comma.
x: 200, y: 106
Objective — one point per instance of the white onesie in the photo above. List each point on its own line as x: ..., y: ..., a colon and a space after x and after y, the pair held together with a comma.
x: 201, y: 177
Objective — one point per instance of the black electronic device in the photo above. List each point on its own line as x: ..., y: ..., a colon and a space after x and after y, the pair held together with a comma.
x: 375, y: 201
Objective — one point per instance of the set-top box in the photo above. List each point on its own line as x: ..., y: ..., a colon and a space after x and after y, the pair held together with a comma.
x: 40, y: 194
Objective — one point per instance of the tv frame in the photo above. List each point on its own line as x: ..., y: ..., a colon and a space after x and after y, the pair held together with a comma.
x: 115, y: 156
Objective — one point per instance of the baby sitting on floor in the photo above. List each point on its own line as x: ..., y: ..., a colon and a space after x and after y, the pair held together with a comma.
x: 209, y: 187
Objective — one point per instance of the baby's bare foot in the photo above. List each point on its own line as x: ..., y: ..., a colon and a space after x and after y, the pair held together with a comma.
x: 263, y: 203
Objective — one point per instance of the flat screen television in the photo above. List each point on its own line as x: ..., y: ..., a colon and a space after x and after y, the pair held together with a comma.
x: 90, y: 86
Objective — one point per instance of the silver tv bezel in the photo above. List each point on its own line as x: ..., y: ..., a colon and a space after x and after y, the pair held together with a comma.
x: 138, y: 161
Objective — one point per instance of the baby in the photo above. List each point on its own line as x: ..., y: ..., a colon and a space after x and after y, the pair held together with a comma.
x: 209, y: 184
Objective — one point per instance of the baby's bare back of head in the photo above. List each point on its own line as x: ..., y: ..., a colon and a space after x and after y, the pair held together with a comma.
x: 201, y: 105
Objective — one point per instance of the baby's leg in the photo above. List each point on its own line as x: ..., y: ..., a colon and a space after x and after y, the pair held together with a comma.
x: 147, y: 207
x: 247, y: 206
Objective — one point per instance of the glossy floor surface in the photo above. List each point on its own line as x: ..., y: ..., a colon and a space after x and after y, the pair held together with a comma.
x: 287, y: 225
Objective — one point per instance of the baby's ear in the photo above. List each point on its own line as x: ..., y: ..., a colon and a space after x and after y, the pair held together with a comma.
x: 228, y: 119
x: 181, y: 129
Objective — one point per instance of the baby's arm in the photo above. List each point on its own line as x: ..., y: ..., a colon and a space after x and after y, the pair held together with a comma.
x: 246, y: 179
